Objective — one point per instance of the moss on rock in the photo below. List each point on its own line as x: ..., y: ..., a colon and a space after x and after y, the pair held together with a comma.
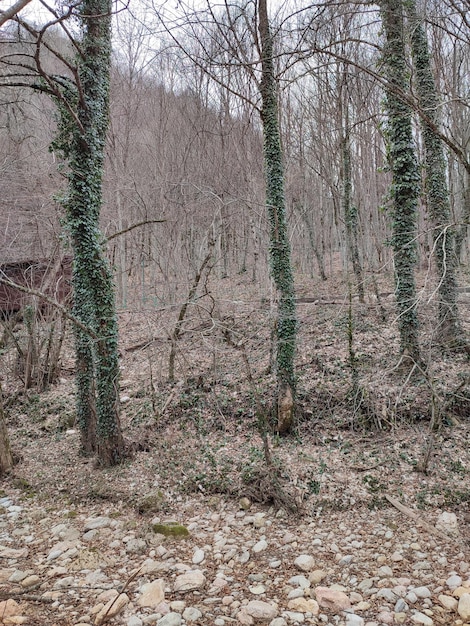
x: 171, y: 529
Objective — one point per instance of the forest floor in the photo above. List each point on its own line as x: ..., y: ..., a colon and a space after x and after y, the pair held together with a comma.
x: 361, y: 517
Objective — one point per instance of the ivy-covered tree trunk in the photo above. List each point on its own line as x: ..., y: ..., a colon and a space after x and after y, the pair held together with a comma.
x: 450, y: 331
x: 85, y: 369
x: 82, y: 141
x: 280, y: 253
x: 349, y: 209
x: 405, y: 177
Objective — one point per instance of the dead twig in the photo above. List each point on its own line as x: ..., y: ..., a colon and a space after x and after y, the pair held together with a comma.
x: 24, y: 595
x: 105, y: 617
x: 414, y: 516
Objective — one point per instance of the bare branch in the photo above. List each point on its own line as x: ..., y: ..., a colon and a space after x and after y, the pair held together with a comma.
x: 53, y: 303
x: 12, y: 11
x: 126, y: 230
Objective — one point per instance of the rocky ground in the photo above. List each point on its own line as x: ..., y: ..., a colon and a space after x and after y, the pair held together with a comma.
x: 361, y: 519
x: 237, y: 564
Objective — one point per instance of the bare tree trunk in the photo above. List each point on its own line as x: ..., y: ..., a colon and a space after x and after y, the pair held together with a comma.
x: 6, y: 457
x: 465, y: 220
x: 304, y: 214
x: 182, y: 314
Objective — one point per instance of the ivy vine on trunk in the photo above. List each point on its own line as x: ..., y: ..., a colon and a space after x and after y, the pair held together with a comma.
x: 279, y: 249
x: 349, y: 208
x: 450, y: 330
x: 405, y: 177
x: 81, y: 140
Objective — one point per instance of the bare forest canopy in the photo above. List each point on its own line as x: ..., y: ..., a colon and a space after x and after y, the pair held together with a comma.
x: 276, y: 150
x: 185, y: 144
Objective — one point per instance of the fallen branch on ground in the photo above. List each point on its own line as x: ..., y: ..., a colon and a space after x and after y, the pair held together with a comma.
x: 410, y: 513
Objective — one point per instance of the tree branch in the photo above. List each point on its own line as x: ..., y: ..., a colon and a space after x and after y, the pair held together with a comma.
x: 126, y: 230
x: 52, y: 302
x: 12, y: 11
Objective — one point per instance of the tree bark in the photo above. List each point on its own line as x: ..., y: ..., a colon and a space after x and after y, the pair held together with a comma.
x: 83, y: 145
x: 349, y: 209
x: 280, y: 253
x: 465, y: 219
x: 450, y: 331
x: 6, y: 457
x: 405, y: 177
x: 12, y: 11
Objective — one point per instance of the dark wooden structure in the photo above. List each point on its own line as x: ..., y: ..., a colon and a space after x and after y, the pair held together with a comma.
x: 48, y: 276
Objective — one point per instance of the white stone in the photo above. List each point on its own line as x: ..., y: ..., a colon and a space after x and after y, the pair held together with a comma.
x: 17, y: 576
x: 354, y: 620
x: 259, y: 521
x: 65, y: 582
x: 305, y: 562
x: 303, y: 605
x: 244, y: 557
x: 193, y: 579
x: 288, y: 538
x: 198, y: 556
x: 447, y: 522
x: 316, y: 576
x: 191, y: 614
x: 177, y: 606
x: 421, y: 618
x: 454, y: 581
x: 171, y: 619
x: 463, y: 608
x: 448, y: 602
x: 260, y: 610
x: 30, y: 581
x: 422, y: 592
x: 243, y: 618
x: 299, y: 581
x: 152, y: 594
x: 90, y: 535
x: 54, y: 554
x: 401, y: 606
x: 332, y: 599
x: 260, y: 546
x: 294, y: 616
x: 384, y: 572
x: 97, y: 522
x: 346, y: 560
x: 136, y: 546
x: 387, y: 594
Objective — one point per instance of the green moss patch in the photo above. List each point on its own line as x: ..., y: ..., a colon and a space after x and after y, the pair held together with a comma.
x: 171, y: 530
